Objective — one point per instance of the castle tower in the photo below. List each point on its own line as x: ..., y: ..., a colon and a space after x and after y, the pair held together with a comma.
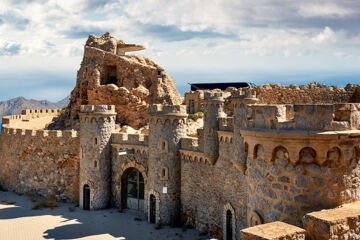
x: 97, y: 123
x: 241, y: 100
x: 213, y: 109
x: 167, y: 127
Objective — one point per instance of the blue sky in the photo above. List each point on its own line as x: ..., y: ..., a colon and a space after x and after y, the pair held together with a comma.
x: 261, y: 41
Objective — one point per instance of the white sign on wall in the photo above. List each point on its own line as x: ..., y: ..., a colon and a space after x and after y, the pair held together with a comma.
x: 164, y: 189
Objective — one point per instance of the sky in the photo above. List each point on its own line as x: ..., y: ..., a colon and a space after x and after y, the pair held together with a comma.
x: 259, y: 41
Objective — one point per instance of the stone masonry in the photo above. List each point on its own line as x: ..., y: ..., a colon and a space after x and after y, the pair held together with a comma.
x: 266, y: 158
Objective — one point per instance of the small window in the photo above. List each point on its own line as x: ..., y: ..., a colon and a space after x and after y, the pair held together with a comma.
x: 159, y: 72
x: 164, y: 173
x: 96, y: 141
x: 96, y: 164
x: 164, y: 146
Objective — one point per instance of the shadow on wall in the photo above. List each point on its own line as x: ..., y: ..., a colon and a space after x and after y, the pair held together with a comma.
x: 108, y: 223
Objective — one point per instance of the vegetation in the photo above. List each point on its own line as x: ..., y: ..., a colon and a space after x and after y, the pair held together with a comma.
x: 317, y: 84
x: 41, y: 203
x: 191, y: 116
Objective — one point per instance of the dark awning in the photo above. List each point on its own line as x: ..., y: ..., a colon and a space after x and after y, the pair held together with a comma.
x: 222, y: 86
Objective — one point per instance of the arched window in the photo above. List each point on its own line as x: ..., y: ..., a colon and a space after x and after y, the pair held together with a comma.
x: 96, y: 141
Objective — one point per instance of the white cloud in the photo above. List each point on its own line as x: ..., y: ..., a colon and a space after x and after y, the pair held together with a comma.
x: 310, y: 10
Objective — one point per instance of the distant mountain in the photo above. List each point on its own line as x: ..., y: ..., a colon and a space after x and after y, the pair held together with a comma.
x: 63, y: 102
x: 16, y: 105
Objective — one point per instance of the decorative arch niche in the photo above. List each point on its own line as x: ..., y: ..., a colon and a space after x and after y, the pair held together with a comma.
x: 307, y: 155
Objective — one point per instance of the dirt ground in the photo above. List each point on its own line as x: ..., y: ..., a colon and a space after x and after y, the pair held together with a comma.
x: 19, y: 221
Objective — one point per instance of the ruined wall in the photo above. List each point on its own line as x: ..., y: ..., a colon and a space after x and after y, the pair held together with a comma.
x: 307, y: 94
x: 131, y: 83
x: 40, y: 162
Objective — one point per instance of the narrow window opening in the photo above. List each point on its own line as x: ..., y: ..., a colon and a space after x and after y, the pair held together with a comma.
x: 95, y: 141
x: 159, y: 72
x: 163, y: 173
x: 95, y: 164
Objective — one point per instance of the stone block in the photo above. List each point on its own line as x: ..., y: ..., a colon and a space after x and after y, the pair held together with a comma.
x: 338, y: 223
x: 273, y: 231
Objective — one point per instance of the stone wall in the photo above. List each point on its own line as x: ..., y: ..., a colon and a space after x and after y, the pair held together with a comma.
x: 206, y: 189
x: 128, y: 151
x: 40, y: 162
x: 289, y: 178
x: 312, y: 94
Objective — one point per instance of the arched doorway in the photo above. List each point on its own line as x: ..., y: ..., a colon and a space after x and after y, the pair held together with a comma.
x: 86, y: 197
x: 152, y: 208
x: 229, y: 229
x: 133, y: 190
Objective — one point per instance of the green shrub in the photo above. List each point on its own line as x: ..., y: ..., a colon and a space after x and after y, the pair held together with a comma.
x: 191, y: 116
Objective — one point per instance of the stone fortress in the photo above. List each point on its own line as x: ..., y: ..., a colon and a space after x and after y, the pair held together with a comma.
x: 264, y: 163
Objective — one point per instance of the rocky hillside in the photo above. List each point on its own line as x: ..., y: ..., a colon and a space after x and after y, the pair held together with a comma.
x: 16, y: 105
x: 109, y: 77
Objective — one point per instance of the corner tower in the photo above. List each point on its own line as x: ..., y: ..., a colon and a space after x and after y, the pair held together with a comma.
x: 167, y: 127
x: 213, y: 109
x: 97, y: 123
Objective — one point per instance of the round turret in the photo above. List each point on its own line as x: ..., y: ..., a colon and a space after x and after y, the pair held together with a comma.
x: 97, y: 123
x: 167, y: 127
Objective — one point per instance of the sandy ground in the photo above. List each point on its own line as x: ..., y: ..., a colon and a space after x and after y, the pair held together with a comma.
x: 19, y: 221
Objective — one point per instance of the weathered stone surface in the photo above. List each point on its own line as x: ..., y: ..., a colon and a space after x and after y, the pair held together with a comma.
x: 131, y: 83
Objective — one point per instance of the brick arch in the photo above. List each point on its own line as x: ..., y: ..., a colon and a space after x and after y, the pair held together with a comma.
x: 228, y: 207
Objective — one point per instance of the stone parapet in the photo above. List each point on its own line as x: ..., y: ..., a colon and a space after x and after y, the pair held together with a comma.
x: 39, y: 133
x: 30, y: 114
x: 130, y: 139
x: 325, y: 117
x: 158, y: 109
x: 226, y: 124
x: 97, y: 109
x: 189, y: 143
x: 214, y: 95
x: 273, y: 231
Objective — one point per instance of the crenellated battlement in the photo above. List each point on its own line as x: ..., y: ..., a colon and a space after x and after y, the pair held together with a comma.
x: 159, y: 109
x: 130, y: 139
x: 226, y: 124
x: 97, y: 109
x: 189, y: 143
x: 244, y: 93
x: 213, y: 95
x: 29, y: 114
x: 39, y: 133
x: 325, y: 117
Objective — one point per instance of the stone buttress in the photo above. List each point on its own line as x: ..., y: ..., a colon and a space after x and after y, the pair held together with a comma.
x: 167, y: 127
x: 97, y: 123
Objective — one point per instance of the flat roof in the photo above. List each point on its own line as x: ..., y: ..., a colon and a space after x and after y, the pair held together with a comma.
x: 222, y: 85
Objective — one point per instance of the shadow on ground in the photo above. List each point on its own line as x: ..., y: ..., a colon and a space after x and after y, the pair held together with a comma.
x: 69, y: 222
